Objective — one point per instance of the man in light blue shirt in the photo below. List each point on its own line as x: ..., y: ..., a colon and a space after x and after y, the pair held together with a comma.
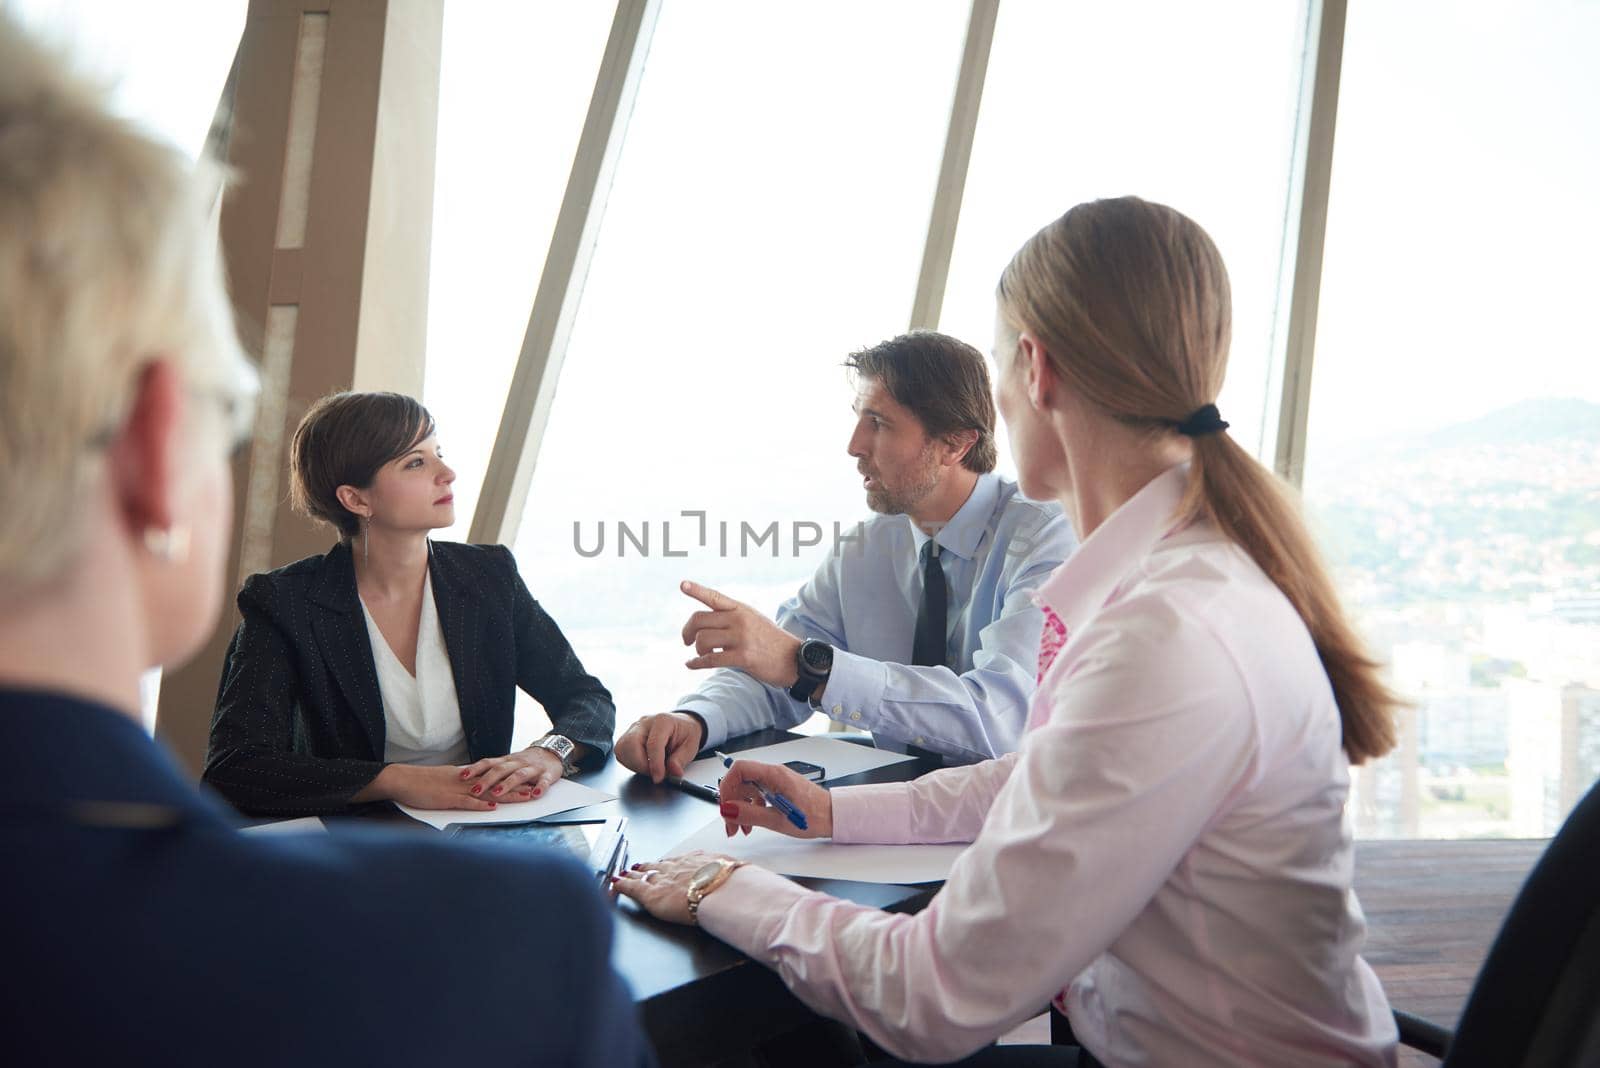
x: 875, y: 639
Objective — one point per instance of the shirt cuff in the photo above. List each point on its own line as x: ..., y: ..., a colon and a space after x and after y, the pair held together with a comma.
x: 749, y: 909
x: 706, y: 709
x: 855, y: 689
x: 879, y: 813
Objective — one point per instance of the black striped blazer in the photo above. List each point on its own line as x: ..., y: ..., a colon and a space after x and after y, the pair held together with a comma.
x: 298, y: 727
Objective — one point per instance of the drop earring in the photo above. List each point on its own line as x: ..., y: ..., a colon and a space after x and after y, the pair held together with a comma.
x: 170, y: 545
x: 366, y: 555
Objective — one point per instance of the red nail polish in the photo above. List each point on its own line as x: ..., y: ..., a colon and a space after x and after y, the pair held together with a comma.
x: 729, y: 809
x: 477, y: 789
x: 498, y: 790
x: 537, y: 791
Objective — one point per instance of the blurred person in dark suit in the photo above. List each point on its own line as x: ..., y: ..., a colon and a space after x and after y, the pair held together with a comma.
x: 139, y: 925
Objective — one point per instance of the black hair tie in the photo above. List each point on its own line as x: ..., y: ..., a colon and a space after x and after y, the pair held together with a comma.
x: 1205, y: 420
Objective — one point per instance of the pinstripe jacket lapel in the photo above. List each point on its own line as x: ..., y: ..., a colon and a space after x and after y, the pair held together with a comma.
x: 341, y: 632
x: 466, y: 627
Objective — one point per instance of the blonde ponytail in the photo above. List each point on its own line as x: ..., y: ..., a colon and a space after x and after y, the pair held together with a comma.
x: 1254, y: 509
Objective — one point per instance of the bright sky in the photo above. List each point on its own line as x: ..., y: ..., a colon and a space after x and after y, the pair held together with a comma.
x: 768, y: 213
x: 1460, y: 273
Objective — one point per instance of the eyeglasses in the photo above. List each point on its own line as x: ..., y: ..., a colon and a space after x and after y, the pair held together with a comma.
x: 238, y: 412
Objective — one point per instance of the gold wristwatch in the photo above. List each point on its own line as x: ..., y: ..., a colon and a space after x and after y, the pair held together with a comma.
x: 707, y: 879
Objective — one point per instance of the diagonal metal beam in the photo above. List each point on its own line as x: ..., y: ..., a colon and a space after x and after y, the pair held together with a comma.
x: 1310, y: 178
x: 935, y: 272
x: 566, y: 266
x: 220, y: 134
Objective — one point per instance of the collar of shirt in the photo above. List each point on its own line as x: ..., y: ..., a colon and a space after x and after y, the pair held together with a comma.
x: 1080, y: 587
x: 966, y: 528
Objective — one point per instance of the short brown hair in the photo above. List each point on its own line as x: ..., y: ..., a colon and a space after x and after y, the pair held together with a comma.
x: 942, y: 381
x: 342, y: 441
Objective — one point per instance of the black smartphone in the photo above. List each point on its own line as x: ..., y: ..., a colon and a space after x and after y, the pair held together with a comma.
x: 814, y: 772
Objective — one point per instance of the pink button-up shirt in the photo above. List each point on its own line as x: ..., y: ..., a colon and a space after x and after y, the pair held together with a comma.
x: 1166, y: 857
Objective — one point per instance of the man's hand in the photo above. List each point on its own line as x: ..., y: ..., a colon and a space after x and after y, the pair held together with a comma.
x: 661, y: 745
x: 734, y: 635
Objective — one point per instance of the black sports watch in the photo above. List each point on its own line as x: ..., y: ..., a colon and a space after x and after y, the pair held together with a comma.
x: 813, y: 660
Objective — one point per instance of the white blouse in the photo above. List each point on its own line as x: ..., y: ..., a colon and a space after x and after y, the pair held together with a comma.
x: 421, y: 714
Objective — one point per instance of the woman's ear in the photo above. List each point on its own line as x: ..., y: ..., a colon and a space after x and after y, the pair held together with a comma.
x: 1037, y: 374
x: 145, y: 455
x: 354, y: 501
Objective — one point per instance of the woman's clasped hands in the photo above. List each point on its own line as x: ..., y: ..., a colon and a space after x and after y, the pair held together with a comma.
x: 480, y: 786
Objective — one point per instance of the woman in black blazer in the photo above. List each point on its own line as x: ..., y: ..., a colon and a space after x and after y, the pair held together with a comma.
x: 327, y: 698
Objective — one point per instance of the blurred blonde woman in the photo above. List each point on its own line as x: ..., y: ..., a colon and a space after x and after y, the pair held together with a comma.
x: 1166, y: 858
x: 138, y: 926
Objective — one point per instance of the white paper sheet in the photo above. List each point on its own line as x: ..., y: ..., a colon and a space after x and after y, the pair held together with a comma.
x: 303, y: 824
x: 837, y: 758
x: 561, y: 797
x: 821, y: 858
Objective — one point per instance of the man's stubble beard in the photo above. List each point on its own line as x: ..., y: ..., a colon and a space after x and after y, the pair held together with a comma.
x: 900, y: 502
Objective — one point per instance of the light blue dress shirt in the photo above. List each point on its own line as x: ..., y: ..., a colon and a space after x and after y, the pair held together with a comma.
x: 863, y: 601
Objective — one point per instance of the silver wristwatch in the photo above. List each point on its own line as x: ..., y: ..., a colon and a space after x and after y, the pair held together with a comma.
x: 562, y: 747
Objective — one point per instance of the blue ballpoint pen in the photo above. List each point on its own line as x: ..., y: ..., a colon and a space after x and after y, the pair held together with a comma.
x: 777, y: 801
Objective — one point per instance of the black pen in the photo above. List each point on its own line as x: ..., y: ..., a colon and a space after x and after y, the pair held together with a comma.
x: 705, y: 793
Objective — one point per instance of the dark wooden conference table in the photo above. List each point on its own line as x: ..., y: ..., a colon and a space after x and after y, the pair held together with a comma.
x: 701, y: 1000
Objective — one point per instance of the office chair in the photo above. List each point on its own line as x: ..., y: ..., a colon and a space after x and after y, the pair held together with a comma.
x: 1536, y: 1001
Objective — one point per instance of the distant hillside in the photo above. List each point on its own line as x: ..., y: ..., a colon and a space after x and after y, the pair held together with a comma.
x: 1527, y: 422
x: 1530, y: 422
x: 1492, y: 510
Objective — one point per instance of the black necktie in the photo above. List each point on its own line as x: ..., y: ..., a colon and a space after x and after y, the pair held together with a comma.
x: 927, y: 646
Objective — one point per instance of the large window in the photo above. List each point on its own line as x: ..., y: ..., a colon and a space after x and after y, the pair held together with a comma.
x: 767, y: 218
x: 514, y: 84
x: 1454, y: 459
x: 1192, y: 105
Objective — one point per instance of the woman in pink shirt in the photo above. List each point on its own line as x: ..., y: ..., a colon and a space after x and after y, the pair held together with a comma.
x: 1165, y: 858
